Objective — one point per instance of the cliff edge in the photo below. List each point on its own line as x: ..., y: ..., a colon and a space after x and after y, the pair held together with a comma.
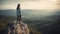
x: 16, y: 28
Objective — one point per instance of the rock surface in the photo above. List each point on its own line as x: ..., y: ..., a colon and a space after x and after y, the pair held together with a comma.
x: 16, y: 28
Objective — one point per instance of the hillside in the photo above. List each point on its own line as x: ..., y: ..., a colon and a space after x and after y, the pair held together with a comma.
x: 47, y: 22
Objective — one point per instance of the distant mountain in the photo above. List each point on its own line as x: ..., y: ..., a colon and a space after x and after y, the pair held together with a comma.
x: 44, y: 21
x: 29, y: 14
x: 49, y: 24
x: 8, y: 12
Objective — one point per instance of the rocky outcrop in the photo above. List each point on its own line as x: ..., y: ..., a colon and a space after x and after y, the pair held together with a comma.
x: 16, y: 28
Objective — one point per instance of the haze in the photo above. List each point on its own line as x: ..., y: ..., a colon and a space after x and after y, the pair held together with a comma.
x: 30, y: 4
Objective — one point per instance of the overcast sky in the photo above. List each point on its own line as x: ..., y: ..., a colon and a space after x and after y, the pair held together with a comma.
x: 30, y: 4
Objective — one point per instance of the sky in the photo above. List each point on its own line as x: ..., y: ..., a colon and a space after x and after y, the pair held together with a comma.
x: 30, y: 4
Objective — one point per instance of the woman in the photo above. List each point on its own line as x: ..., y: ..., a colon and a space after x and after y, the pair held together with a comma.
x: 18, y: 13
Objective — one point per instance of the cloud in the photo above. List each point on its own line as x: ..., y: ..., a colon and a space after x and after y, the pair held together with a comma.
x: 29, y: 0
x: 29, y: 4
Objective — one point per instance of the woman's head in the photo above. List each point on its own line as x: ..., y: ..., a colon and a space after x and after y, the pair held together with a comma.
x: 18, y: 6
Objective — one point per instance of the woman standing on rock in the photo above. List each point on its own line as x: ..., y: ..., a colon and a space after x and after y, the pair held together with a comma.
x: 18, y: 13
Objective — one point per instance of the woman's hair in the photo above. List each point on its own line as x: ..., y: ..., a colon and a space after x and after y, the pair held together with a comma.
x: 18, y: 6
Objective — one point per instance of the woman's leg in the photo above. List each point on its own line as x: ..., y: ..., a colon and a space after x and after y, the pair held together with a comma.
x: 19, y: 17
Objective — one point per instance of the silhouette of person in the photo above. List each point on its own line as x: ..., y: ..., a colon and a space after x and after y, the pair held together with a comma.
x: 18, y: 13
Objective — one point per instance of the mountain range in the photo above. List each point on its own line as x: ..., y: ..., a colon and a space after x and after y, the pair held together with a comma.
x: 44, y: 21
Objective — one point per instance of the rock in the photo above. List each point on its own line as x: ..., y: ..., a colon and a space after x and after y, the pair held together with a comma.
x: 16, y: 28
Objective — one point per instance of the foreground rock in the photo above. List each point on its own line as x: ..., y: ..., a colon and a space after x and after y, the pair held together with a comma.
x: 16, y: 28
